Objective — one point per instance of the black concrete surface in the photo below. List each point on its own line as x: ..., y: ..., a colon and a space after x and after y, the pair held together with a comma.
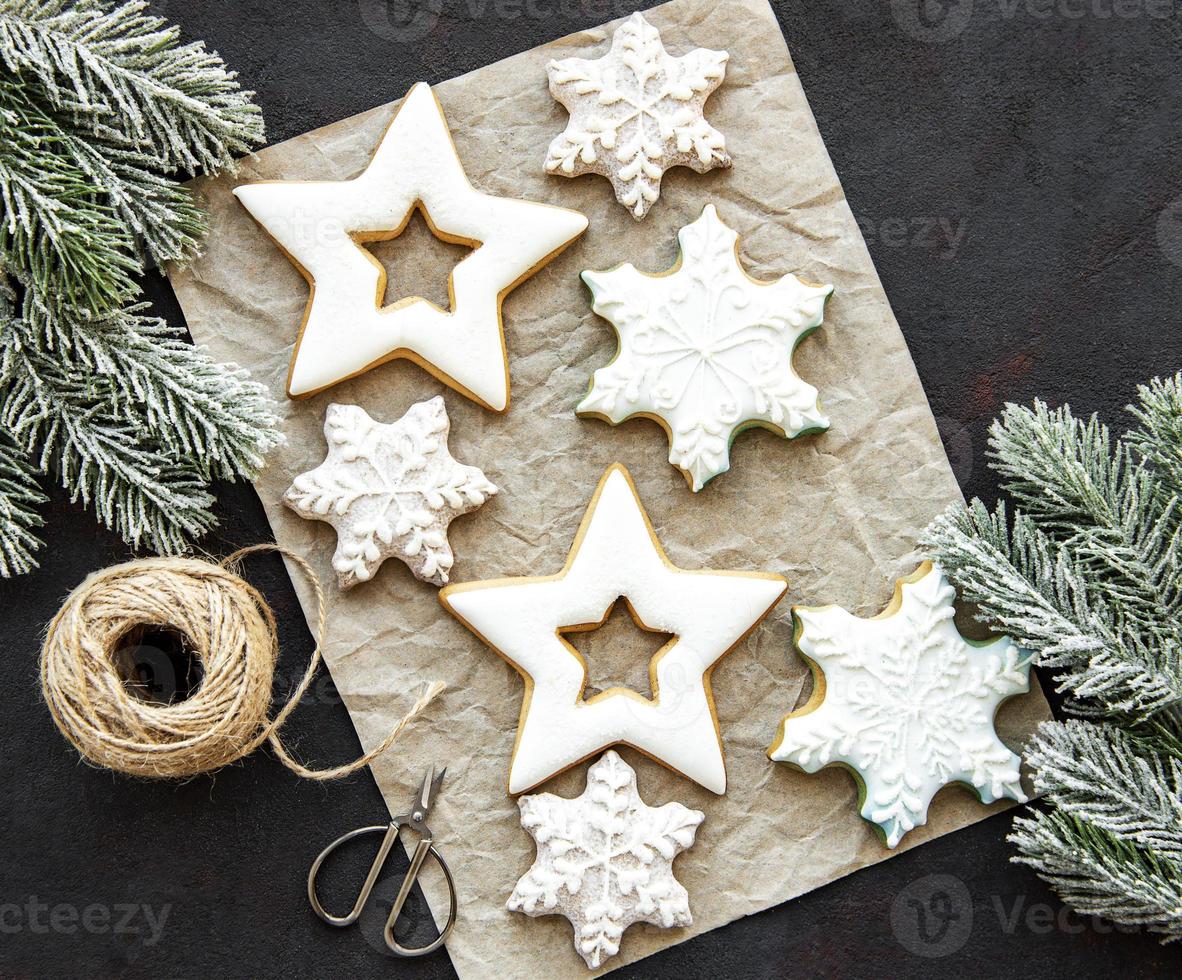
x: 1017, y: 168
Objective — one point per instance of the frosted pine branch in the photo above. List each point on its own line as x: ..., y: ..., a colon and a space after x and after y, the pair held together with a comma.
x: 1033, y: 591
x: 1157, y: 438
x: 56, y: 235
x: 119, y: 70
x: 191, y: 406
x: 1098, y: 874
x: 78, y: 428
x: 1098, y: 773
x: 1115, y: 515
x: 1088, y: 575
x: 19, y: 498
x: 100, y: 107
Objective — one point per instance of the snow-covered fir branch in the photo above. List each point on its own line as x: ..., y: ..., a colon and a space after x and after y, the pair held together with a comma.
x: 102, y: 109
x: 1087, y: 573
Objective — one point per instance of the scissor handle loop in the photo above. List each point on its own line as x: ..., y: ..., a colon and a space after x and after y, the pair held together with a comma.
x: 425, y: 846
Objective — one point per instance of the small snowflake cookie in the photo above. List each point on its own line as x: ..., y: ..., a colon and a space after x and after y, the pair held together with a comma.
x: 605, y: 860
x: 321, y: 225
x: 636, y: 112
x: 705, y: 350
x: 389, y: 491
x: 616, y: 555
x: 906, y: 702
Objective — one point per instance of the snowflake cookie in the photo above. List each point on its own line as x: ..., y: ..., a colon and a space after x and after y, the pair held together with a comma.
x: 616, y: 555
x: 705, y: 350
x: 605, y: 859
x: 390, y: 491
x: 636, y: 112
x: 906, y: 702
x: 320, y: 226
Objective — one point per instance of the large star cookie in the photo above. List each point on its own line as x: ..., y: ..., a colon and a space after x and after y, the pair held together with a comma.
x: 320, y: 225
x: 605, y: 860
x: 616, y: 554
x: 389, y: 491
x: 705, y: 350
x: 636, y: 112
x: 905, y: 702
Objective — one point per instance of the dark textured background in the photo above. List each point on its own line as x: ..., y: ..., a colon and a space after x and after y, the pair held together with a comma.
x: 1041, y: 136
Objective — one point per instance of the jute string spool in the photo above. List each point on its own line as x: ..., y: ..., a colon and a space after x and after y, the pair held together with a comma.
x: 230, y: 630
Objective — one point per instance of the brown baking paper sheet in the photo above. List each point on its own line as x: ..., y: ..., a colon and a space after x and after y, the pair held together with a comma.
x: 837, y: 514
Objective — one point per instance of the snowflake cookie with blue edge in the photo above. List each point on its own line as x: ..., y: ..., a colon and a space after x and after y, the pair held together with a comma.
x: 705, y: 350
x: 389, y: 491
x: 605, y: 860
x: 906, y: 702
x: 636, y: 112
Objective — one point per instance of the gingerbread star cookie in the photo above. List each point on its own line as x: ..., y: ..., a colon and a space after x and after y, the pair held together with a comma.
x: 320, y: 226
x: 389, y: 491
x: 636, y: 112
x: 705, y: 350
x: 605, y: 860
x: 905, y: 702
x: 616, y: 554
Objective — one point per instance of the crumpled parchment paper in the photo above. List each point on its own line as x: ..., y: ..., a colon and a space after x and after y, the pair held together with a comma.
x: 837, y: 514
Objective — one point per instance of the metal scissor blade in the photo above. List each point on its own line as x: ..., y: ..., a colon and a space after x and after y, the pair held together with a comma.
x: 428, y: 790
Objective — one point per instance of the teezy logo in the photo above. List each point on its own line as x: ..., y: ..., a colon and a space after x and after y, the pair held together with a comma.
x: 932, y: 20
x: 933, y: 916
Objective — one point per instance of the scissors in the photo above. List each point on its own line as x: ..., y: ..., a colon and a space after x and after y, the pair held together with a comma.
x: 416, y: 820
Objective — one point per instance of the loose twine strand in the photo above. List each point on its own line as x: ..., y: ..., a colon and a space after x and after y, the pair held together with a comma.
x: 232, y: 632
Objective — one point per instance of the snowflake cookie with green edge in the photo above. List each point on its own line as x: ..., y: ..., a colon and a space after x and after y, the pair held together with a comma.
x: 605, y: 860
x: 389, y: 491
x: 635, y: 113
x: 905, y: 702
x: 705, y: 350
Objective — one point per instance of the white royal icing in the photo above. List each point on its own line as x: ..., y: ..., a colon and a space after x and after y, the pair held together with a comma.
x: 705, y: 349
x: 389, y: 491
x: 636, y: 112
x: 908, y: 704
x: 615, y: 554
x: 605, y: 860
x: 346, y: 330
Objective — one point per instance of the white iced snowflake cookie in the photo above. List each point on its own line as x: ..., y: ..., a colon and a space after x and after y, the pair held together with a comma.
x: 346, y: 330
x: 605, y: 860
x: 636, y: 112
x: 389, y: 491
x: 616, y: 554
x: 705, y: 350
x: 906, y: 702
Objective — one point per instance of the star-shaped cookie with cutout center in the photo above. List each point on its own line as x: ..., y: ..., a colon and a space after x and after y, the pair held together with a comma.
x: 321, y: 225
x: 616, y: 554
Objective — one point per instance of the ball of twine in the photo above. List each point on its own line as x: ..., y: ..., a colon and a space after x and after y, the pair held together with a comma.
x: 229, y: 629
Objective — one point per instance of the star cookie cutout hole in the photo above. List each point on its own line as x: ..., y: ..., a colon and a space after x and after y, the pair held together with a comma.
x: 411, y: 259
x: 619, y: 653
